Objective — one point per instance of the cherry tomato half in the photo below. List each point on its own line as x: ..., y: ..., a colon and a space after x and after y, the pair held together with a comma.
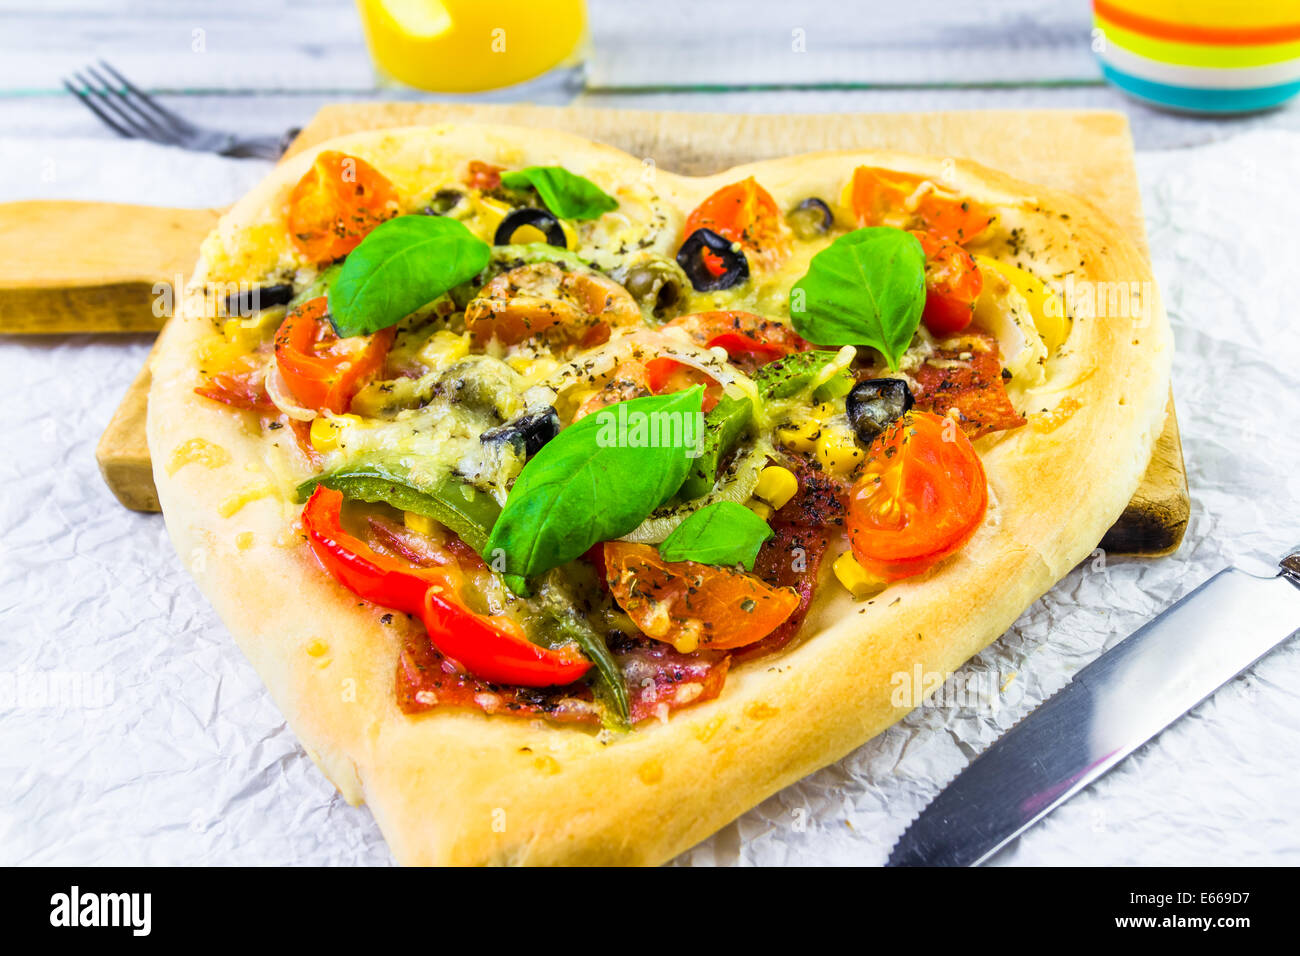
x: 336, y: 204
x: 692, y: 605
x: 746, y: 213
x: 883, y: 197
x: 322, y: 370
x: 921, y: 496
x: 952, y: 284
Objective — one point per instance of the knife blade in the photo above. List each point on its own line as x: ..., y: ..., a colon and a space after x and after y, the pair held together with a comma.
x: 1108, y: 710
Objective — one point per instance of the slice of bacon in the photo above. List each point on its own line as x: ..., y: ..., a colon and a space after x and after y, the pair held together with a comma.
x: 965, y: 375
x: 243, y: 389
x: 792, y: 557
x: 482, y: 176
x: 302, y: 436
x: 820, y: 499
x: 419, y: 550
x: 659, y: 680
x: 426, y: 679
x: 627, y: 382
x: 246, y: 390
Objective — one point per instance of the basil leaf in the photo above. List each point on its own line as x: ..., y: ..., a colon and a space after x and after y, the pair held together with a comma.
x: 567, y: 195
x: 596, y: 481
x: 723, y: 533
x: 402, y: 264
x: 865, y: 288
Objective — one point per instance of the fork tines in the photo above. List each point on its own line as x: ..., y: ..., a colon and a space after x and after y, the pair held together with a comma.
x: 127, y: 109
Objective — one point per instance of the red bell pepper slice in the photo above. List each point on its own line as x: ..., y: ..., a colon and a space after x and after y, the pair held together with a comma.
x: 495, y: 651
x: 376, y: 577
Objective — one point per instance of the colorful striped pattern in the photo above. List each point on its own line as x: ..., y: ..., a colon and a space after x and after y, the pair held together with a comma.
x: 1222, y: 56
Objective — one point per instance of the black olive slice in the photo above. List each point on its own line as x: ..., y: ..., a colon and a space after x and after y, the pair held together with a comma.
x: 538, y: 219
x: 811, y: 218
x: 252, y: 301
x: 873, y: 404
x: 691, y: 258
x: 527, y: 433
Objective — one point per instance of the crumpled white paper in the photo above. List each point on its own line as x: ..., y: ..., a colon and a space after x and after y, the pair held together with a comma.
x: 132, y: 731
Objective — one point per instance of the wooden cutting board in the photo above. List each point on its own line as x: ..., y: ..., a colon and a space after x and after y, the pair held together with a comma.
x: 59, y: 272
x: 1089, y: 153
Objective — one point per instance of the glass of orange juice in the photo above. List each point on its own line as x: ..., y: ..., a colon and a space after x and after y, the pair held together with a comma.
x: 470, y: 46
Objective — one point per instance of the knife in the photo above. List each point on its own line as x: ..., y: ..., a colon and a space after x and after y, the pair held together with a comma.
x: 1108, y: 710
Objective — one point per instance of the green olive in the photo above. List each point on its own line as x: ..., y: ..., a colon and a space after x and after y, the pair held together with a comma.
x: 656, y: 283
x: 444, y: 201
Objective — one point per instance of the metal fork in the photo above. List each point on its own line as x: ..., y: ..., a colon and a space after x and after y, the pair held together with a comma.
x: 130, y: 112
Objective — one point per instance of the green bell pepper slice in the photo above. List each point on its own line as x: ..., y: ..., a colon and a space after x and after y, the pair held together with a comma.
x: 795, y: 373
x: 453, y: 502
x: 723, y: 426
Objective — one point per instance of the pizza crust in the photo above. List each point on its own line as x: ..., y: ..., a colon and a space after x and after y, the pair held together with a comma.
x: 456, y: 786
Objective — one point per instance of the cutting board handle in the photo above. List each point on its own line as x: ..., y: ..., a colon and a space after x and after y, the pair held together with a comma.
x: 69, y: 266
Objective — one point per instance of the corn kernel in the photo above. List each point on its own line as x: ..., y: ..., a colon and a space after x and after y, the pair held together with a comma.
x: 764, y: 511
x: 420, y: 524
x: 325, y: 430
x: 776, y: 486
x: 532, y: 368
x: 855, y: 578
x: 799, y: 437
x: 838, y: 451
x: 443, y: 348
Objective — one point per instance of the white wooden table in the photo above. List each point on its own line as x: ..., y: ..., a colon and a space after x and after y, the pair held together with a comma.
x: 261, y: 66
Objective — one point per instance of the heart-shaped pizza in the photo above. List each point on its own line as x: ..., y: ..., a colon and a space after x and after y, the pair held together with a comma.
x: 569, y: 507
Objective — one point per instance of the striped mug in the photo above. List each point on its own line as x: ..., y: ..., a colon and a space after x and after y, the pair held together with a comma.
x: 1203, y: 56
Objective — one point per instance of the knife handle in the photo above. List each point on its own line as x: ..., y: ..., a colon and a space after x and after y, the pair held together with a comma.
x: 92, y: 266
